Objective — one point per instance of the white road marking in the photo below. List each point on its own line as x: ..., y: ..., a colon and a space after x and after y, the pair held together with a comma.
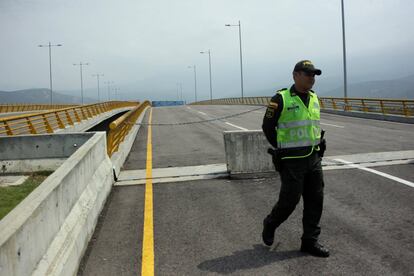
x: 332, y: 125
x: 239, y: 127
x: 202, y: 113
x: 400, y: 180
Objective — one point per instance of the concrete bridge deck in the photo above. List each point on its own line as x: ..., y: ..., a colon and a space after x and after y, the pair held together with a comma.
x: 204, y: 227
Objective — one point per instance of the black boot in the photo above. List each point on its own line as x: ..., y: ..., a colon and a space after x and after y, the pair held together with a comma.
x: 268, y: 233
x: 315, y: 249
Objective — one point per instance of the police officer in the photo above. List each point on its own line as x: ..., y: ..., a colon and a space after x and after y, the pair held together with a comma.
x: 292, y: 126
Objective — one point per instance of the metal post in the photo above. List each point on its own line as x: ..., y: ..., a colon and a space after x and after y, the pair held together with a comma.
x: 241, y: 57
x: 80, y: 65
x: 99, y: 96
x: 195, y: 82
x: 97, y: 76
x: 209, y: 68
x: 344, y: 49
x: 241, y: 62
x: 109, y: 92
x: 81, y: 82
x: 50, y: 72
x: 50, y: 68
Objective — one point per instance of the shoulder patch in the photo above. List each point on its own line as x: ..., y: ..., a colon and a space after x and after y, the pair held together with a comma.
x: 270, y: 112
x: 273, y: 105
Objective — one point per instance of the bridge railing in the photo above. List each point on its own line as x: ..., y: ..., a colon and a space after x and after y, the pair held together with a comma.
x: 120, y: 128
x: 49, y: 121
x: 6, y: 108
x: 401, y: 107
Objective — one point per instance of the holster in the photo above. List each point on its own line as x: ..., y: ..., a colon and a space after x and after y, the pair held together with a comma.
x: 322, y: 145
x: 276, y: 158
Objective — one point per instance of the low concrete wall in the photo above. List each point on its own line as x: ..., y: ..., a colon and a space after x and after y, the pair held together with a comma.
x: 246, y: 152
x: 119, y: 157
x: 374, y: 116
x: 48, y: 232
x: 31, y: 153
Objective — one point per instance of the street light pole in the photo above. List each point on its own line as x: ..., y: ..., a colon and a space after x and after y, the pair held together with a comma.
x: 97, y: 76
x: 50, y: 66
x: 179, y: 91
x: 80, y: 64
x: 209, y: 68
x: 195, y: 82
x: 109, y: 89
x: 241, y: 57
x: 344, y: 49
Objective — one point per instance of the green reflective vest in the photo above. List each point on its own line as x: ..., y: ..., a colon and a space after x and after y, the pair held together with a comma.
x: 298, y: 125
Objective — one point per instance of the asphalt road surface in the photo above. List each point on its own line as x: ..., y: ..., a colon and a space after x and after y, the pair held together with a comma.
x: 213, y: 227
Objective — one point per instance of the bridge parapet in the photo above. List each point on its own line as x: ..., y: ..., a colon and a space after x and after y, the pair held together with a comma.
x: 52, y: 121
x: 401, y: 107
x: 6, y: 108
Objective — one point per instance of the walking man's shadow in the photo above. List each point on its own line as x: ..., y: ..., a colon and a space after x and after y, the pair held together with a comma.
x: 256, y: 257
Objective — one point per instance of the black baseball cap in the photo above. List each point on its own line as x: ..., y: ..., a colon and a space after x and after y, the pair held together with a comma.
x: 306, y: 66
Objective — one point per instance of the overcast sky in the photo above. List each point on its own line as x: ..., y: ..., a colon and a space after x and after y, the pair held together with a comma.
x: 145, y: 46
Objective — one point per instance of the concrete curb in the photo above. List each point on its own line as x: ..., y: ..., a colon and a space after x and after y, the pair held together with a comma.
x: 48, y: 232
x: 374, y: 116
x: 119, y: 157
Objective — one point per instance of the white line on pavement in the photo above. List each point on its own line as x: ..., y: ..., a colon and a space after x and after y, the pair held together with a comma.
x: 400, y: 180
x: 332, y: 125
x: 202, y: 113
x: 239, y: 127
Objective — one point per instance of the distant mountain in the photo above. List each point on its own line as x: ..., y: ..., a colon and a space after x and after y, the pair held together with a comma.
x: 402, y: 88
x: 39, y: 95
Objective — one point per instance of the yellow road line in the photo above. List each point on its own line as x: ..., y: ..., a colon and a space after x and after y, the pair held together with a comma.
x: 147, y: 266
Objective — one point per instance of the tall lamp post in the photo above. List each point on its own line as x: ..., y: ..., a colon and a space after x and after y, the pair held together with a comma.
x: 241, y: 58
x: 50, y: 66
x: 80, y: 64
x: 209, y: 68
x: 97, y: 76
x: 109, y: 89
x: 344, y: 49
x: 180, y: 91
x: 195, y: 82
x: 116, y: 92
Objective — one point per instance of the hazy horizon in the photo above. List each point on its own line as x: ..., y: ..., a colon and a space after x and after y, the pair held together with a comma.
x: 145, y: 47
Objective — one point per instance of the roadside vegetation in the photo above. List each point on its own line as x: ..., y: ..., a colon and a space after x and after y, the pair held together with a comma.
x: 11, y: 196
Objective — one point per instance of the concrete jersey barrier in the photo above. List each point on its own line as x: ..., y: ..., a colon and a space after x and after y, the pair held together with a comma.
x: 48, y: 232
x: 246, y: 152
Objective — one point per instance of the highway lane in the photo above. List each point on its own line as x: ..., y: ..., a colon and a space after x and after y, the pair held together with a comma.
x: 202, y: 143
x: 213, y: 226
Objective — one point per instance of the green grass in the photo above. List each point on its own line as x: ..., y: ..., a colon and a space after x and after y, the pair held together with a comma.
x: 11, y: 196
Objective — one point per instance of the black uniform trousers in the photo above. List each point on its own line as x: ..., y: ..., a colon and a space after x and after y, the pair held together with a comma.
x: 300, y: 177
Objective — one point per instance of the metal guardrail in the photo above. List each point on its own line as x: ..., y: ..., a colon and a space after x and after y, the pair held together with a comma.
x: 49, y: 121
x: 120, y: 128
x: 400, y: 107
x: 6, y: 108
